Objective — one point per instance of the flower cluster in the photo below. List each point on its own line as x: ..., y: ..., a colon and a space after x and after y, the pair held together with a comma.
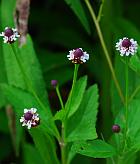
x: 10, y: 35
x: 30, y: 118
x: 127, y: 46
x: 78, y: 56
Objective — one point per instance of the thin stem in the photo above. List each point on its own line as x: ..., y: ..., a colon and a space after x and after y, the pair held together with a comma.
x: 62, y: 141
x: 126, y: 100
x: 59, y: 96
x: 104, y: 49
x: 126, y: 91
x: 63, y: 145
x: 29, y: 84
x: 100, y: 11
x: 75, y: 76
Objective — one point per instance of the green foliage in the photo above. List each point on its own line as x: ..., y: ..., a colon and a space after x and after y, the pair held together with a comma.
x: 45, y: 145
x: 95, y: 149
x: 76, y: 96
x: 80, y: 13
x: 7, y: 15
x: 81, y: 125
x: 30, y: 153
x: 21, y: 99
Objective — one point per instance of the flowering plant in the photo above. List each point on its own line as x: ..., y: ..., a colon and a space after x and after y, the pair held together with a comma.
x: 82, y: 101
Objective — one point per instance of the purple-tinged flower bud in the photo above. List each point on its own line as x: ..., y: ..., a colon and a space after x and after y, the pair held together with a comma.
x: 78, y: 56
x: 8, y: 32
x: 54, y: 83
x: 10, y: 35
x: 126, y: 43
x: 78, y: 53
x: 116, y: 128
x: 30, y: 118
x: 127, y: 46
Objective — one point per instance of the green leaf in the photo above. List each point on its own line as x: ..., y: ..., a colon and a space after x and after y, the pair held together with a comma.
x: 45, y: 145
x: 95, y: 149
x: 31, y: 154
x: 134, y: 62
x: 80, y: 13
x: 33, y: 69
x: 21, y: 100
x: 75, y: 99
x: 133, y: 123
x: 82, y: 124
x: 7, y: 10
x: 60, y: 115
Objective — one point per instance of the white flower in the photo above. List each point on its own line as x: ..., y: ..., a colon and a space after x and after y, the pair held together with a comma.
x: 78, y: 56
x: 127, y: 46
x: 10, y: 35
x: 30, y: 118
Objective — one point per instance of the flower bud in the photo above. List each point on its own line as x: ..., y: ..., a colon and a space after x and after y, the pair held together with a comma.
x: 54, y: 83
x: 116, y: 128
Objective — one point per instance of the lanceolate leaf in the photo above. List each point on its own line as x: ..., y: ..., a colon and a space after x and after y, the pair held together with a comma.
x: 81, y: 126
x: 76, y: 97
x: 32, y: 68
x: 95, y: 149
x: 21, y: 99
x: 46, y: 146
x: 78, y: 9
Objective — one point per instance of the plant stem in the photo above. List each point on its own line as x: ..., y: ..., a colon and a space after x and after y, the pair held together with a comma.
x: 75, y: 76
x: 100, y: 11
x: 62, y: 141
x: 104, y: 49
x: 59, y: 96
x: 126, y: 98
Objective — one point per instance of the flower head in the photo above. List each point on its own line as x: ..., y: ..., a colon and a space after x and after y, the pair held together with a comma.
x: 116, y: 128
x: 10, y: 35
x: 78, y: 56
x: 30, y: 118
x: 127, y: 46
x: 54, y: 83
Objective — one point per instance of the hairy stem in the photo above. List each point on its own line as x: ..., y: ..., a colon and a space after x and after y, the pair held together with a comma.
x: 104, y: 49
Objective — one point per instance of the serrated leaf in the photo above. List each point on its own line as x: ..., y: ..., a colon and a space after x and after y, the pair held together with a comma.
x: 95, y: 149
x: 82, y: 124
x: 75, y: 98
x: 21, y: 100
x: 79, y: 11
